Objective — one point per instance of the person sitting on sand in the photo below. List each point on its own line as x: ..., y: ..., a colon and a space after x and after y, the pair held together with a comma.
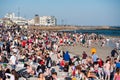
x: 91, y: 74
x: 30, y: 70
x: 41, y: 76
x: 54, y: 76
x: 66, y: 56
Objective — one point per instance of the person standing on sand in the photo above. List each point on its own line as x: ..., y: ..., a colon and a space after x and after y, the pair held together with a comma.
x: 84, y: 55
x: 117, y: 45
x: 117, y: 74
x: 107, y: 70
x: 89, y: 42
x: 103, y: 43
x: 113, y: 52
x: 94, y: 57
x: 83, y: 42
x: 107, y: 40
x: 48, y: 63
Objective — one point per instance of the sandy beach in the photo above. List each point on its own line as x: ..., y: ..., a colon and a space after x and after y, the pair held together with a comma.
x: 75, y: 44
x: 102, y: 52
x: 63, y: 28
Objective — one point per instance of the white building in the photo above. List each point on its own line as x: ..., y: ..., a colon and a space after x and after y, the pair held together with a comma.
x: 1, y: 21
x: 43, y: 21
x: 48, y: 21
x: 31, y: 22
x: 15, y: 19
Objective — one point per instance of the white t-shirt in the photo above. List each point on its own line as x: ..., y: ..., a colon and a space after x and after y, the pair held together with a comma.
x: 12, y: 77
x: 13, y: 59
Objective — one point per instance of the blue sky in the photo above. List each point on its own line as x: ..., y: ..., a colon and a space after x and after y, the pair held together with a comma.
x: 72, y: 12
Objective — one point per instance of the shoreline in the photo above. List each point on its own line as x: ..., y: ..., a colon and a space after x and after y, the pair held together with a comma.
x: 73, y: 29
x: 69, y: 28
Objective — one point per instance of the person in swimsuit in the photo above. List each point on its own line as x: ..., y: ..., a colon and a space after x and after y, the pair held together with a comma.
x: 107, y: 70
x: 117, y: 74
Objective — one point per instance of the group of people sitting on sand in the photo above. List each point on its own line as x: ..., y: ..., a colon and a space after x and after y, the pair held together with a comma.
x: 33, y: 53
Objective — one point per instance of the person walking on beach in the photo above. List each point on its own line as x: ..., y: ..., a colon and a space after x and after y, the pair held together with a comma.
x: 113, y: 52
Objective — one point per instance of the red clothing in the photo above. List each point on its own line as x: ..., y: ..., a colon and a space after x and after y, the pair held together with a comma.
x: 62, y: 63
x: 117, y: 77
x: 30, y: 40
x: 100, y: 63
x: 61, y: 41
x: 41, y: 62
x: 73, y: 73
x: 23, y: 43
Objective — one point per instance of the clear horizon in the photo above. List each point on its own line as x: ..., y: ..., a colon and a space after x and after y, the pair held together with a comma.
x: 67, y: 12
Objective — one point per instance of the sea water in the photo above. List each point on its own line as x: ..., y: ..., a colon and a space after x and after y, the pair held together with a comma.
x: 114, y: 34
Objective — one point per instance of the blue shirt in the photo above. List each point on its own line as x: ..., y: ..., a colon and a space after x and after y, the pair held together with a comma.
x: 94, y: 57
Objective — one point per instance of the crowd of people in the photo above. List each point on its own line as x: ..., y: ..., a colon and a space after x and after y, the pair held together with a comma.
x: 32, y: 51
